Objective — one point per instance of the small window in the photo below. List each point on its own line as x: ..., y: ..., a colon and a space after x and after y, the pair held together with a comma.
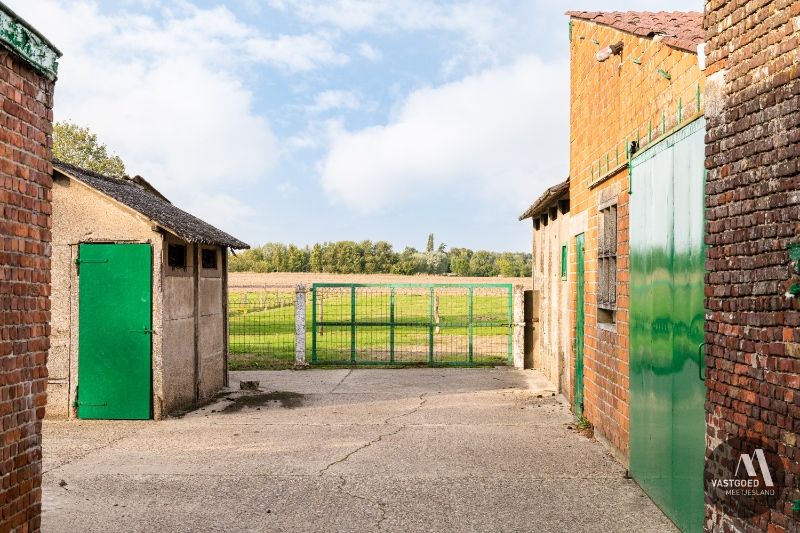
x: 176, y: 255
x: 209, y: 259
x: 564, y: 258
x: 607, y: 266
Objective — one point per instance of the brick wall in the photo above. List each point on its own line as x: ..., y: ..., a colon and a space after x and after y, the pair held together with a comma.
x: 25, y: 180
x: 613, y: 103
x: 753, y: 212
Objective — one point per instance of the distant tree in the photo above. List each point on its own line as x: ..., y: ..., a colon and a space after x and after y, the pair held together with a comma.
x: 482, y: 264
x: 430, y: 246
x: 507, y: 265
x: 297, y: 259
x: 406, y: 263
x: 459, y: 261
x: 525, y: 265
x: 368, y: 253
x: 79, y: 146
x: 384, y: 257
x: 348, y: 258
x: 316, y: 258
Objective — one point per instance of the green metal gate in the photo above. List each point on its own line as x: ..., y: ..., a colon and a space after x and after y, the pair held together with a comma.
x: 667, y: 417
x: 402, y: 324
x: 114, y: 335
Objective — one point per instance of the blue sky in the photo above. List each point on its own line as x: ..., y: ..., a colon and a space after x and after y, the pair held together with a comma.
x: 304, y: 121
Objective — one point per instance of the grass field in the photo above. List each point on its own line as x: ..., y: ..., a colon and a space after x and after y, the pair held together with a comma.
x: 425, y: 330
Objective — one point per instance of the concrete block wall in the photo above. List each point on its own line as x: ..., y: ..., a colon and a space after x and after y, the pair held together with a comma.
x: 612, y: 103
x: 25, y: 195
x: 554, y: 339
x: 753, y: 209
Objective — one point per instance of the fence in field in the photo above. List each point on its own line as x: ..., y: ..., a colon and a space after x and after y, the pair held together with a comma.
x: 261, y: 327
x: 376, y: 324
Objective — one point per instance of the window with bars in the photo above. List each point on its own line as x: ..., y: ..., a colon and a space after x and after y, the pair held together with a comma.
x: 607, y: 265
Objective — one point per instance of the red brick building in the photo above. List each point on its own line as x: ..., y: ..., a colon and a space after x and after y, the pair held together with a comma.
x: 753, y: 279
x: 636, y: 203
x: 632, y: 96
x: 28, y: 65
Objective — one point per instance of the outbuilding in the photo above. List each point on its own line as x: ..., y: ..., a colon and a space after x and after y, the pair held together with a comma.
x: 139, y: 300
x: 550, y: 251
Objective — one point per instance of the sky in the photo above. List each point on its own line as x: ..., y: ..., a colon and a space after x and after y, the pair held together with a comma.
x: 303, y: 121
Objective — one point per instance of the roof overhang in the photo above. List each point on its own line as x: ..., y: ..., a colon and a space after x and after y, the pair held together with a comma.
x: 546, y: 200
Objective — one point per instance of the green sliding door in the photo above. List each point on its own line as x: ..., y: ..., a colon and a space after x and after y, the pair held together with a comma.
x: 667, y: 417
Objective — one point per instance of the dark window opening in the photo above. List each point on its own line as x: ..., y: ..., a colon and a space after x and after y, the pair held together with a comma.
x: 176, y: 255
x: 209, y: 259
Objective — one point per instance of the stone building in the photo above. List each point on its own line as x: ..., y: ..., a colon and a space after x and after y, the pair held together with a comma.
x: 550, y: 219
x: 636, y: 245
x: 139, y: 300
x: 28, y: 67
x: 753, y: 282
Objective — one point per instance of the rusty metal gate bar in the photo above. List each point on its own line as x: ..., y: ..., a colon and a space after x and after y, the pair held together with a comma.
x: 411, y: 324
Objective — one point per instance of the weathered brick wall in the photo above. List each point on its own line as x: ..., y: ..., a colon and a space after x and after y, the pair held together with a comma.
x: 753, y: 212
x: 613, y: 103
x: 25, y: 182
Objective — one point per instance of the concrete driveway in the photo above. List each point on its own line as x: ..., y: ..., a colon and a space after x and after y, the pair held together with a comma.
x: 340, y: 450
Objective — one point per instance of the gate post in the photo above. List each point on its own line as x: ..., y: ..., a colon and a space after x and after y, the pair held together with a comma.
x: 300, y: 326
x: 518, y: 340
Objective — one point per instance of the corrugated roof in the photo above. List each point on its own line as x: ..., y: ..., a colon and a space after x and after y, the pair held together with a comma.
x: 681, y: 30
x: 142, y: 197
x: 556, y: 192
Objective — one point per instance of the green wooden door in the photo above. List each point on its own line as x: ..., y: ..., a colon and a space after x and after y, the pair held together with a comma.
x: 667, y: 416
x: 579, y: 326
x: 114, y: 335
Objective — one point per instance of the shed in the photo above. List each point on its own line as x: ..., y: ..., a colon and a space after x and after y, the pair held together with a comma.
x: 550, y: 255
x: 139, y: 300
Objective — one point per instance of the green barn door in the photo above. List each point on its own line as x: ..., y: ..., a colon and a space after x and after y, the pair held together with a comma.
x: 114, y: 335
x: 579, y: 326
x: 667, y: 416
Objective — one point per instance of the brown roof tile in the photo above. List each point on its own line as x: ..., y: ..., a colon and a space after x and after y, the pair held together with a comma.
x: 681, y: 30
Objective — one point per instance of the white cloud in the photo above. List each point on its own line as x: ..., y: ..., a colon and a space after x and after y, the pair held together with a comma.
x: 330, y: 100
x: 478, y: 20
x: 167, y: 94
x: 369, y: 52
x: 501, y: 134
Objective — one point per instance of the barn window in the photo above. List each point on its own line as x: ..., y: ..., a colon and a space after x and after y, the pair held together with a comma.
x: 607, y: 265
x: 564, y: 258
x: 209, y: 259
x: 176, y: 255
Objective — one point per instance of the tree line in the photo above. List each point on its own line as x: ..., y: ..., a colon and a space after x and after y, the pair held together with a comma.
x: 367, y: 257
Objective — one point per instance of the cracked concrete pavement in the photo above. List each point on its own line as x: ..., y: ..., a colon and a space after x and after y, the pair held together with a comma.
x: 360, y: 450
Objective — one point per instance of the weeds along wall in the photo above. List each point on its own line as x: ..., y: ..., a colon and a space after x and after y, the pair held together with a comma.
x: 753, y: 208
x: 647, y: 90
